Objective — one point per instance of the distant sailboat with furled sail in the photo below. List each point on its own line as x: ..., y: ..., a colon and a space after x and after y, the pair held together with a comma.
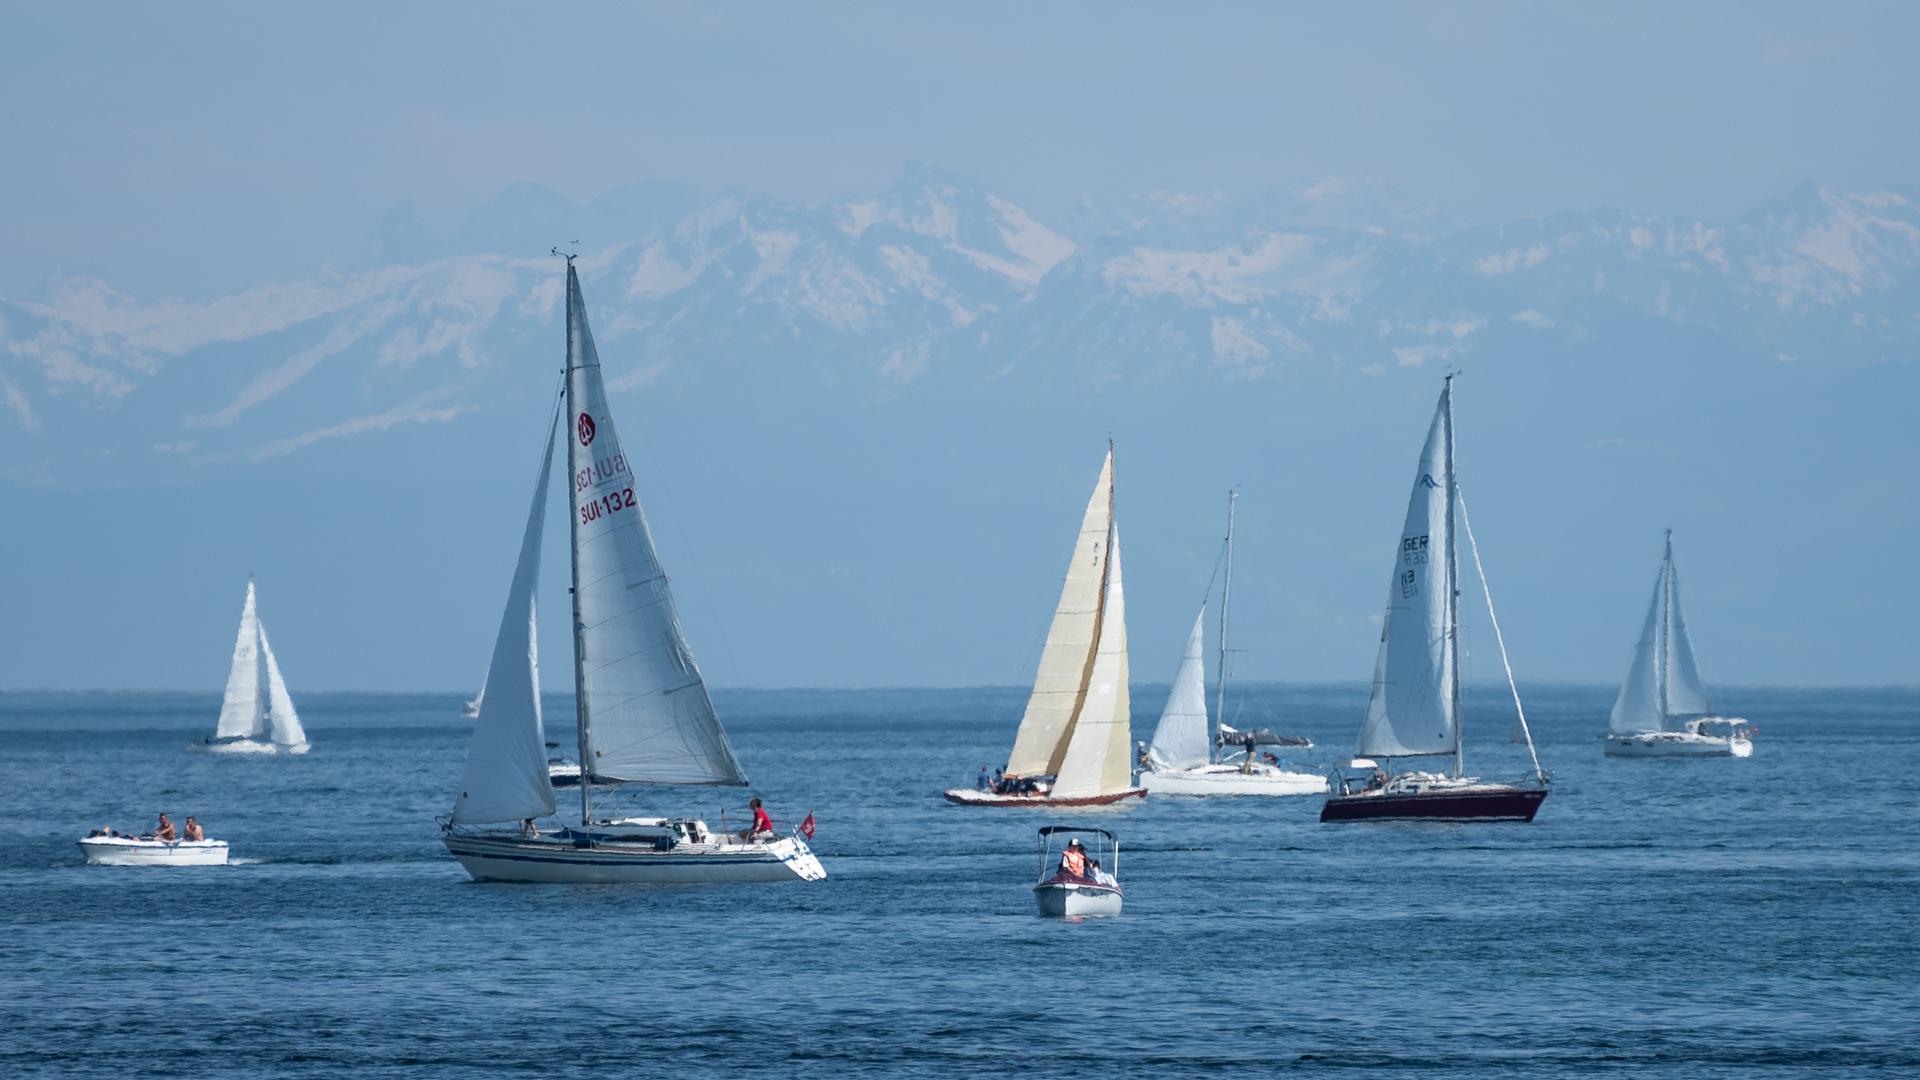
x: 1071, y: 749
x: 1414, y: 710
x: 642, y: 712
x: 1180, y: 758
x: 256, y: 712
x: 1663, y: 709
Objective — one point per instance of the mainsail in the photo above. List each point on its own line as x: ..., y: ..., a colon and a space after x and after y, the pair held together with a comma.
x: 1411, y: 711
x: 506, y: 776
x: 1663, y: 681
x: 1095, y: 762
x: 240, y: 713
x: 644, y: 711
x: 1066, y: 662
x: 283, y: 723
x: 1180, y: 740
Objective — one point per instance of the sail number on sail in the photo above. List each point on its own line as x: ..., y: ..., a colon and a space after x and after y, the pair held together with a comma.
x: 610, y: 503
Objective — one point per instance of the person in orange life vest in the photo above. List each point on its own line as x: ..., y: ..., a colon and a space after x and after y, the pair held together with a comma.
x: 1074, y: 859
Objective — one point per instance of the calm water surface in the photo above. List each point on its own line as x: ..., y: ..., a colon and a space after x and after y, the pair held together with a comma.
x: 1702, y: 918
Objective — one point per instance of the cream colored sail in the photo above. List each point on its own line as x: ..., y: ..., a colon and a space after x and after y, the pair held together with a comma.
x: 1096, y: 761
x: 1067, y: 660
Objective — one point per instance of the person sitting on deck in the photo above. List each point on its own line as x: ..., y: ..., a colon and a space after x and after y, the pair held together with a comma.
x: 762, y: 824
x: 194, y: 832
x: 164, y: 830
x: 1073, y: 861
x: 1377, y: 779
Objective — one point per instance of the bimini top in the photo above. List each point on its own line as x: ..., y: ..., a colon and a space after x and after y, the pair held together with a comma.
x: 1049, y: 830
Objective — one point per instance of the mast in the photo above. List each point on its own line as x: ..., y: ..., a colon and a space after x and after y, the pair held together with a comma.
x: 1663, y: 645
x: 573, y: 591
x: 1453, y: 589
x: 1226, y: 594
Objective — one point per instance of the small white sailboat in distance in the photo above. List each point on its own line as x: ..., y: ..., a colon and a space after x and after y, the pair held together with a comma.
x: 1180, y: 760
x: 256, y: 713
x: 642, y: 712
x: 1663, y: 709
x: 1071, y: 749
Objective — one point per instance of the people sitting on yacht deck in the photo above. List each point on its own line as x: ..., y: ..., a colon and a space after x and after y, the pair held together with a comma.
x: 1269, y: 757
x: 762, y: 824
x: 194, y: 832
x: 1073, y: 860
x: 999, y: 777
x: 1377, y: 778
x: 164, y: 830
x: 528, y: 829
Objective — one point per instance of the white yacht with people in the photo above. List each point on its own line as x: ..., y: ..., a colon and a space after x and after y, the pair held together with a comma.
x: 1181, y: 758
x: 643, y: 717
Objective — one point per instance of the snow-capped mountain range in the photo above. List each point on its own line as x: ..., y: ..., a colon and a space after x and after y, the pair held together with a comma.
x: 934, y: 282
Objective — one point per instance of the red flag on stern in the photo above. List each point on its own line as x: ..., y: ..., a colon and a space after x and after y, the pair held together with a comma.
x: 806, y: 827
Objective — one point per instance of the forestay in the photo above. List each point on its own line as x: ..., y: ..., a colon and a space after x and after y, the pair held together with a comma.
x: 506, y: 775
x: 1411, y: 711
x: 1096, y: 761
x: 282, y: 722
x: 1065, y: 662
x: 1180, y: 740
x: 644, y: 711
x: 240, y: 713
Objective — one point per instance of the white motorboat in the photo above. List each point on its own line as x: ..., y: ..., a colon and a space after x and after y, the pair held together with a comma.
x: 146, y: 851
x: 1071, y: 749
x: 1077, y: 883
x: 1663, y: 708
x: 1180, y: 759
x: 1414, y: 709
x: 642, y: 713
x: 256, y: 713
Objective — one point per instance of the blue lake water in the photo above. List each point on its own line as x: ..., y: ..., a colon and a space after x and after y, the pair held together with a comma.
x: 1664, y: 918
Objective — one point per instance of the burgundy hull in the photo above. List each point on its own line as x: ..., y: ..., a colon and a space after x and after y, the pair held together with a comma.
x: 1499, y: 804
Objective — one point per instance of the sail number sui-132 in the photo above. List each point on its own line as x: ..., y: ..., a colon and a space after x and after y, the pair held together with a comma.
x: 611, y: 503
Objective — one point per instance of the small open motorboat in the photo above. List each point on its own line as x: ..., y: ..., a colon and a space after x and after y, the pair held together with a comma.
x: 118, y: 850
x: 1076, y: 883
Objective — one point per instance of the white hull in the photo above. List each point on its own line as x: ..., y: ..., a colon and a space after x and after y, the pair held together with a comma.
x: 249, y: 746
x: 1229, y: 780
x: 498, y: 857
x: 125, y: 851
x: 1064, y: 900
x: 1677, y: 744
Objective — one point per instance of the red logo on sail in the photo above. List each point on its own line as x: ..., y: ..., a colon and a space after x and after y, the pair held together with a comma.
x: 585, y: 428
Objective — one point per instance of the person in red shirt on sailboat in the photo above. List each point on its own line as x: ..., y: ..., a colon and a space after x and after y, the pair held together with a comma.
x: 762, y: 824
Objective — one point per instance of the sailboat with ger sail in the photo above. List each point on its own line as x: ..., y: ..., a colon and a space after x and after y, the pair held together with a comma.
x: 642, y: 712
x: 1071, y: 749
x: 1180, y: 759
x: 1414, y: 710
x: 256, y: 712
x: 1663, y: 709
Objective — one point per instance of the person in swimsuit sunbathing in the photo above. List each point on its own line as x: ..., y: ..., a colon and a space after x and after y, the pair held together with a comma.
x: 164, y: 830
x: 194, y: 831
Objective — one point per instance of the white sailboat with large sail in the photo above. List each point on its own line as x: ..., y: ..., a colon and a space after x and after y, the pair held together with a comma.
x: 1180, y: 759
x: 1414, y: 710
x: 642, y: 714
x: 1663, y: 709
x: 256, y: 713
x: 1071, y: 749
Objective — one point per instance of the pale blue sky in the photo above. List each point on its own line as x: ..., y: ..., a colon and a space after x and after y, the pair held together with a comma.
x: 838, y: 509
x: 227, y: 142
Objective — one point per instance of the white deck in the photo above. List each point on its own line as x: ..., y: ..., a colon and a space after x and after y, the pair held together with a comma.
x: 1229, y: 780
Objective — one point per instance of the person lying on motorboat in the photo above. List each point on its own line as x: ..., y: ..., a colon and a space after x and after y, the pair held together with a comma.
x: 194, y: 832
x: 165, y: 830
